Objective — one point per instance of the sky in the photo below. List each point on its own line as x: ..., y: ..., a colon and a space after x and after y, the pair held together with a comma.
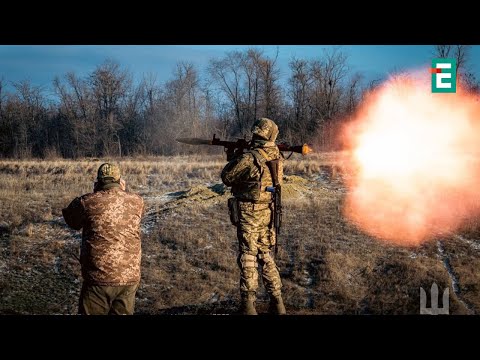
x: 41, y: 63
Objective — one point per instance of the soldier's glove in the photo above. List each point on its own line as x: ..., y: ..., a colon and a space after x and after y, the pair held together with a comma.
x: 233, y: 154
x: 230, y: 154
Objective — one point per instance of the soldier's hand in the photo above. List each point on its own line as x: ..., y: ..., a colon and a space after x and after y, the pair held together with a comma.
x: 230, y: 154
x: 233, y: 154
x: 123, y: 184
x: 238, y: 153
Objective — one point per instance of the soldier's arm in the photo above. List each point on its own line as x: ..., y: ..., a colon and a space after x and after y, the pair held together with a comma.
x: 237, y: 169
x: 74, y: 214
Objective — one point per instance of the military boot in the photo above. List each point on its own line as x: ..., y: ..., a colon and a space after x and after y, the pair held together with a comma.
x: 248, y: 304
x: 276, y: 305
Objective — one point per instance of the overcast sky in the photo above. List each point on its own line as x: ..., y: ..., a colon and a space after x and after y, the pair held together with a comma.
x: 41, y: 63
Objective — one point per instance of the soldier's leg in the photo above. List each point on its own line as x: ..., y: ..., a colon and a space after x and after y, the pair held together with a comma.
x: 248, y: 280
x: 270, y: 272
x: 273, y: 283
x: 124, y: 301
x: 247, y: 234
x: 248, y: 272
x: 93, y: 300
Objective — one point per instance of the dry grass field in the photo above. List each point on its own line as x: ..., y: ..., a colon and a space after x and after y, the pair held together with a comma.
x: 328, y: 266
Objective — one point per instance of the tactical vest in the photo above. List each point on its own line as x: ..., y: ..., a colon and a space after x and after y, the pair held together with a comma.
x: 254, y: 190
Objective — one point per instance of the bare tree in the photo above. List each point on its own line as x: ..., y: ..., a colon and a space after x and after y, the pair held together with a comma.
x: 105, y: 114
x: 442, y: 51
x: 31, y: 116
x: 7, y: 126
x: 353, y: 92
x: 328, y: 74
x: 226, y: 73
x: 249, y: 82
x: 110, y: 85
x: 269, y: 75
x: 471, y: 83
x: 78, y: 109
x: 250, y: 92
x: 299, y: 87
x: 464, y: 73
x: 146, y: 98
x: 461, y: 54
x: 2, y: 95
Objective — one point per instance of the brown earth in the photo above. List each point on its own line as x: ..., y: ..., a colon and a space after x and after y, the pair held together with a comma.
x: 327, y: 264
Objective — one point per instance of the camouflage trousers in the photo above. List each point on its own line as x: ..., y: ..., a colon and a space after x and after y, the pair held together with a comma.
x: 107, y: 300
x: 256, y: 240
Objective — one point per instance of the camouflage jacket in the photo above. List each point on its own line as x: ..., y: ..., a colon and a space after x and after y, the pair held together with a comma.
x: 248, y: 174
x: 111, y: 245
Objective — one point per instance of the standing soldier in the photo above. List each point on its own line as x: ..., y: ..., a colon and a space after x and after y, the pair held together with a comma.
x: 251, y: 211
x: 111, y: 249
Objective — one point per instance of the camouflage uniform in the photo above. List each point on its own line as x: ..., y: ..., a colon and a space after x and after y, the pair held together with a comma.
x: 248, y: 175
x: 111, y: 246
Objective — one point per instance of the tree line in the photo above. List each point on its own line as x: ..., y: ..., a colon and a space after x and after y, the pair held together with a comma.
x: 105, y: 113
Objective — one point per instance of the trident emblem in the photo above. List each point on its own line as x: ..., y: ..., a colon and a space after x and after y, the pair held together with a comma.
x: 434, y: 309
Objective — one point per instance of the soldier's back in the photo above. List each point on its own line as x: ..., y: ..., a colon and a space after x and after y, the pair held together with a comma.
x: 111, y: 236
x: 112, y: 202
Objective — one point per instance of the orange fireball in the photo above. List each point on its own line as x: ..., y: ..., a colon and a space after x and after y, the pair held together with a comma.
x: 416, y: 156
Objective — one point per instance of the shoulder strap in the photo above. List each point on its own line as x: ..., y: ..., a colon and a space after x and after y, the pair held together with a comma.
x: 263, y: 152
x: 260, y: 157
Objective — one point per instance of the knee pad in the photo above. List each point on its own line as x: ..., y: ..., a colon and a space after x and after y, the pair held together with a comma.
x: 247, y: 261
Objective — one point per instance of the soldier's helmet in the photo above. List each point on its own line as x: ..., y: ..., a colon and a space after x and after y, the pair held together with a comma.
x: 265, y: 129
x: 108, y: 171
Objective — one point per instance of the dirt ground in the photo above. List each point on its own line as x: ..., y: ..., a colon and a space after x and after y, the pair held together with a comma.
x: 328, y: 265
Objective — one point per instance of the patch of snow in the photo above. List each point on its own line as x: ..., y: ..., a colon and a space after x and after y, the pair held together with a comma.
x: 56, y: 264
x: 214, y: 298
x: 453, y: 277
x: 473, y: 244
